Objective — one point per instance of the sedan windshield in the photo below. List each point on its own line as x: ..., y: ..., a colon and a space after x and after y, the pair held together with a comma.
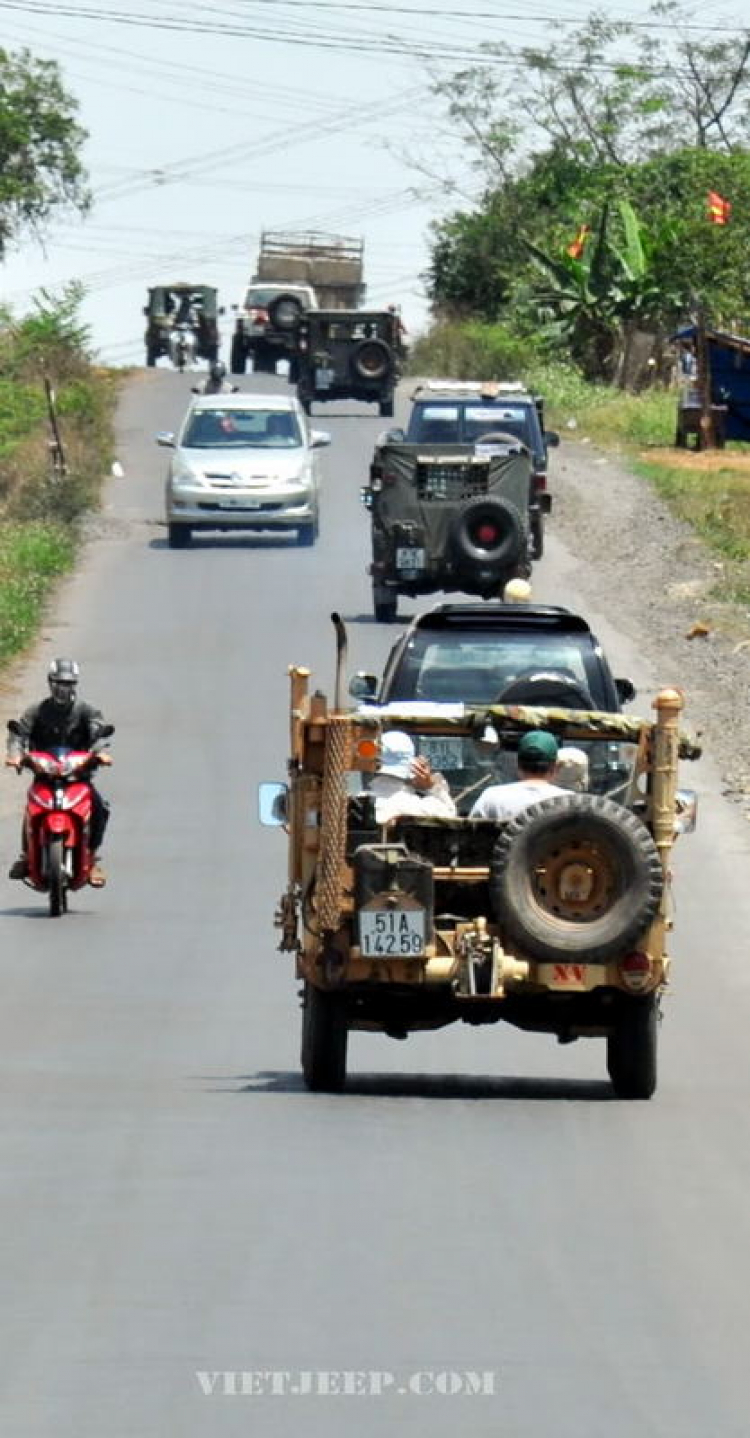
x: 242, y: 429
x: 475, y: 668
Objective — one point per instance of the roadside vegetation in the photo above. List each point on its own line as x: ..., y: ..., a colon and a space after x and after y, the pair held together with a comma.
x: 42, y: 500
x: 611, y: 205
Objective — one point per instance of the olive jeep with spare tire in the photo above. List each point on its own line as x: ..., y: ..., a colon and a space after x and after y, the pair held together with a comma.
x: 554, y: 921
x: 456, y: 521
x: 349, y: 354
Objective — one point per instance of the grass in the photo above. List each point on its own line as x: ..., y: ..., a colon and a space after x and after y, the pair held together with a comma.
x: 32, y: 557
x: 40, y: 512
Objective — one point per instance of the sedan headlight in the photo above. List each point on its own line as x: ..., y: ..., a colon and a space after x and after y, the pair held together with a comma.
x: 185, y: 478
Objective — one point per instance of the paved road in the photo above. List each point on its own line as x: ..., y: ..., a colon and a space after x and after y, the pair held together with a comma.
x: 173, y: 1201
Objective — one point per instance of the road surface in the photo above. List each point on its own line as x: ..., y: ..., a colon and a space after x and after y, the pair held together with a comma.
x: 176, y: 1209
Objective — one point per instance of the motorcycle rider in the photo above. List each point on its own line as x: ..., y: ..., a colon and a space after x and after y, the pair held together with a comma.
x: 216, y: 381
x: 62, y: 722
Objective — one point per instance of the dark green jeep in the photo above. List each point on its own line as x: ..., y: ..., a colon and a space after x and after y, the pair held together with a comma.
x: 349, y: 354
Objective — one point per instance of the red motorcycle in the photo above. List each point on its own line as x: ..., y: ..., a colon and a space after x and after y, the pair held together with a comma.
x: 58, y: 819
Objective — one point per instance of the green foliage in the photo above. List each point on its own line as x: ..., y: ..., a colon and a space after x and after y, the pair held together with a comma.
x: 473, y: 350
x: 32, y: 556
x: 40, y: 143
x: 39, y: 509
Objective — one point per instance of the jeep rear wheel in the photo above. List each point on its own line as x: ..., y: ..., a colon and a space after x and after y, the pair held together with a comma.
x: 576, y: 876
x: 487, y: 532
x: 284, y: 312
x: 632, y: 1049
x: 371, y: 360
x: 325, y: 1034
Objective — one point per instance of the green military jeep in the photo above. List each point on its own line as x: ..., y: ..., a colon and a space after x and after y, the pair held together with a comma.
x: 182, y: 322
x: 348, y: 354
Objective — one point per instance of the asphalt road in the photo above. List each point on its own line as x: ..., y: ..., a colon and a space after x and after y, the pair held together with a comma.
x: 175, y: 1204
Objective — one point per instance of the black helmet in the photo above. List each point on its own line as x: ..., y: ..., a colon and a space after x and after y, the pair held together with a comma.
x: 218, y: 370
x: 62, y: 677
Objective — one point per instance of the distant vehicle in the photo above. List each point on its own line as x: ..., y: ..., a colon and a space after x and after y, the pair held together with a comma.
x: 486, y: 654
x: 243, y: 461
x: 348, y: 354
x: 266, y: 330
x: 295, y: 272
x: 182, y: 323
x: 461, y: 412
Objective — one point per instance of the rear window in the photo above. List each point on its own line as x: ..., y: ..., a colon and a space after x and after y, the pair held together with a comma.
x: 434, y: 424
x: 474, y: 667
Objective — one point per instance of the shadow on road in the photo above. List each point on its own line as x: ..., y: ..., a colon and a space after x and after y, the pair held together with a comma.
x: 437, y: 1086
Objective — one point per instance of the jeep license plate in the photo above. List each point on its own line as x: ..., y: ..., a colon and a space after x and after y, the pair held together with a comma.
x: 409, y: 560
x: 391, y: 933
x: 324, y: 378
x: 443, y: 754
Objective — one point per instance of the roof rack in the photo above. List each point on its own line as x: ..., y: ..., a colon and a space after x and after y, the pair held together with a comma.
x: 489, y: 388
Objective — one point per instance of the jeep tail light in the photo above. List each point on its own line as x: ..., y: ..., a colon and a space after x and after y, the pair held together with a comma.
x: 539, y: 482
x: 635, y: 971
x: 390, y: 478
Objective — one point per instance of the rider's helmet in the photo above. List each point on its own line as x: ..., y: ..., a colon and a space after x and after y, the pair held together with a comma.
x: 62, y: 677
x: 218, y: 370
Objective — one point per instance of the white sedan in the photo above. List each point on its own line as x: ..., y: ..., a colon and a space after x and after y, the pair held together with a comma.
x: 243, y: 461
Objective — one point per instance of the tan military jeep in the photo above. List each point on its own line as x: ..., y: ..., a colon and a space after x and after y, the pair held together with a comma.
x: 555, y: 921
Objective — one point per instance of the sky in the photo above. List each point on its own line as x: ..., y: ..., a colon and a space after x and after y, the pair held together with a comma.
x: 210, y: 122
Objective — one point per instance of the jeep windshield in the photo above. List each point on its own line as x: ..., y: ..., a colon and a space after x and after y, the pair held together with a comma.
x: 242, y: 429
x: 476, y: 666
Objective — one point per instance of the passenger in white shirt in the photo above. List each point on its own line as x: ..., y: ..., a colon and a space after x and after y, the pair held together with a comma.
x: 537, y: 771
x: 405, y: 786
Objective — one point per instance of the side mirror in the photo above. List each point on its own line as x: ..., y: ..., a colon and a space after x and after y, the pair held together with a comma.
x: 363, y: 686
x: 319, y: 438
x: 686, y: 807
x: 165, y: 439
x: 551, y: 438
x: 13, y: 726
x: 393, y: 436
x: 273, y: 805
x: 106, y: 731
x: 626, y: 690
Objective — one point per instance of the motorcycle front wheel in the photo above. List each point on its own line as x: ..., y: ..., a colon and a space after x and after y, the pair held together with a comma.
x: 58, y: 897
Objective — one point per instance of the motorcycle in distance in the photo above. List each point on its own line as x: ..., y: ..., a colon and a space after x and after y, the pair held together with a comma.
x: 58, y: 817
x: 182, y: 346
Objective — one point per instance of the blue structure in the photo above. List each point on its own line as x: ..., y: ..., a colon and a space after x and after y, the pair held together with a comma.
x: 729, y: 367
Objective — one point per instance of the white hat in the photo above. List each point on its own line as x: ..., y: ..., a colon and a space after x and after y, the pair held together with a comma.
x: 517, y: 591
x: 397, y: 753
x: 572, y: 768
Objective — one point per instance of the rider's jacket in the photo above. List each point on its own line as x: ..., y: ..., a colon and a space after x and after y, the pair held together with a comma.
x: 48, y: 726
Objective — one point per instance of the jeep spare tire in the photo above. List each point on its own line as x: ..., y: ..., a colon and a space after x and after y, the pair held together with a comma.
x: 488, y: 532
x: 576, y: 876
x: 371, y: 360
x: 284, y: 312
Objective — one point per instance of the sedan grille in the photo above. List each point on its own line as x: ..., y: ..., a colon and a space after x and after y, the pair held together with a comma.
x: 451, y: 481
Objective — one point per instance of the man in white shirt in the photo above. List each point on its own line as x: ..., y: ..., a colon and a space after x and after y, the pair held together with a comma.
x: 405, y: 786
x: 537, y: 770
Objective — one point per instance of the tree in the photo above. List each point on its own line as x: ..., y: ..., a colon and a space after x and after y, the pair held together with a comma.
x: 40, y: 142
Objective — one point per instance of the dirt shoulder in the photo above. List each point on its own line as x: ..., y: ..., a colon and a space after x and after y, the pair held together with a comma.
x: 667, y: 587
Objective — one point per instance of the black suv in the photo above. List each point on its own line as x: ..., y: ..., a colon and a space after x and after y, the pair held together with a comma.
x: 348, y: 354
x: 500, y: 654
x: 457, y: 412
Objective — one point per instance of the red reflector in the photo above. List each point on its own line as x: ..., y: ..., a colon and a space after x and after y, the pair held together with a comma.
x: 635, y: 963
x: 259, y: 316
x: 487, y: 534
x: 540, y: 482
x: 390, y: 479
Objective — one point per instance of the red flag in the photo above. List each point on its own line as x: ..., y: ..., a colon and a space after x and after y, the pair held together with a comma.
x: 718, y: 209
x: 576, y: 249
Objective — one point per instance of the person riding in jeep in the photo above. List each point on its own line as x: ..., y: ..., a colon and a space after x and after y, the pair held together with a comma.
x: 61, y: 721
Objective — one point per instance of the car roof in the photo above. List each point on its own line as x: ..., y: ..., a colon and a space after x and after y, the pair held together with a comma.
x: 550, y: 617
x: 488, y: 391
x: 245, y: 401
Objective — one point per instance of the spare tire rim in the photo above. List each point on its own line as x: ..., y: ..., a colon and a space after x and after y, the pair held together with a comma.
x: 577, y: 881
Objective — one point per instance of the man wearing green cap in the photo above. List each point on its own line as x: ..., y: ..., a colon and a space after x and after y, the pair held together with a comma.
x: 537, y: 766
